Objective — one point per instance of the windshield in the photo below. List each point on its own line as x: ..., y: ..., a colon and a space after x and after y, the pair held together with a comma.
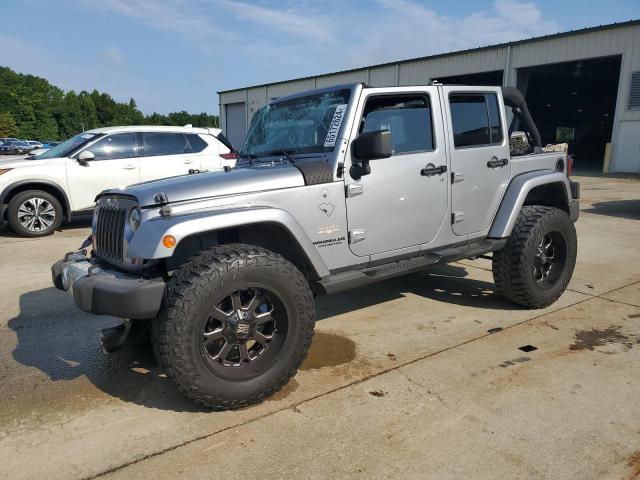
x: 302, y: 125
x: 68, y: 146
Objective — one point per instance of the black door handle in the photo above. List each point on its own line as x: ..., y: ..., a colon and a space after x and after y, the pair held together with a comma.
x: 431, y: 170
x: 495, y: 163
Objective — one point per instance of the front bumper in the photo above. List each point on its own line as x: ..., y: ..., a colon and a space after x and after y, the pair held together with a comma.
x: 574, y: 210
x: 103, y: 291
x: 574, y: 204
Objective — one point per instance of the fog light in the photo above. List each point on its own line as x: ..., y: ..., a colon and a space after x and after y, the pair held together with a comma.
x: 169, y: 241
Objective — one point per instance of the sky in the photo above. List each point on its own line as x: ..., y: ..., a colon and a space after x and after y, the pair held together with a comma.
x: 172, y: 55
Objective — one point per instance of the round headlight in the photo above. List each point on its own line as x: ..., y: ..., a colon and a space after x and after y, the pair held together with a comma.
x: 134, y: 219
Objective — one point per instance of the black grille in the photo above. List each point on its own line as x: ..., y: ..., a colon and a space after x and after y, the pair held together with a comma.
x: 110, y: 232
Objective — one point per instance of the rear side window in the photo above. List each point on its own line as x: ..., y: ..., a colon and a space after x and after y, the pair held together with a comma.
x: 196, y: 142
x: 115, y: 146
x: 407, y: 117
x: 494, y: 118
x: 475, y: 119
x: 158, y: 144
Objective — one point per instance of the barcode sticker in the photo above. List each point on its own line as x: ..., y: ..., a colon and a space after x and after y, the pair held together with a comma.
x: 334, y: 127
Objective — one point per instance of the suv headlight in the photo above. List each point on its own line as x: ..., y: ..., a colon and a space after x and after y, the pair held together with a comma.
x: 4, y: 170
x: 134, y: 219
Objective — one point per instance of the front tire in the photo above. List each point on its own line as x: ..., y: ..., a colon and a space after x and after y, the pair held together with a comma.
x: 236, y: 324
x: 34, y: 213
x: 535, y: 266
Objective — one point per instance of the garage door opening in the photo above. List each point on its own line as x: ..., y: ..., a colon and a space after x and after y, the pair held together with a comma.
x: 236, y: 123
x: 492, y: 78
x: 574, y: 103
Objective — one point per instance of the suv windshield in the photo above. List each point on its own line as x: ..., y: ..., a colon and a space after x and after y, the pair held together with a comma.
x: 68, y: 146
x: 301, y: 125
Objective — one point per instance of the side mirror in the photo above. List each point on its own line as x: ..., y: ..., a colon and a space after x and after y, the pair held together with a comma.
x: 85, y: 157
x: 370, y: 146
x: 373, y: 145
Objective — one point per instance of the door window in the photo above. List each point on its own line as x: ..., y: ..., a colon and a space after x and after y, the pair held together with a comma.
x: 407, y: 117
x: 475, y: 119
x: 120, y: 145
x: 158, y: 144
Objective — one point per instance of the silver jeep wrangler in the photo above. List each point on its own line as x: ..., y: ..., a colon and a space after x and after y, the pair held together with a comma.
x: 334, y: 189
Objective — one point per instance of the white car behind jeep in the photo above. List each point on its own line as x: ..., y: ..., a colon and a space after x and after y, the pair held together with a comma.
x: 37, y: 194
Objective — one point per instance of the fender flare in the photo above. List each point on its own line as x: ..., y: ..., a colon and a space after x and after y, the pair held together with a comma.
x: 516, y: 194
x: 12, y: 186
x: 147, y: 241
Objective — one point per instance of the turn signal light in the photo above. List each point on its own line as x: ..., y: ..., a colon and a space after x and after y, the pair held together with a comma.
x: 169, y: 241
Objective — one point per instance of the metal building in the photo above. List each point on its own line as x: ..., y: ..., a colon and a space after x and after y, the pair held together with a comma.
x: 582, y: 87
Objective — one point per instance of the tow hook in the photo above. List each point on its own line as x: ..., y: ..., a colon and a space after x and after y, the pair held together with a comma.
x: 129, y: 332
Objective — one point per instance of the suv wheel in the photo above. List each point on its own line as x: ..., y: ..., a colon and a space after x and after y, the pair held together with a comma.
x: 535, y: 266
x: 236, y: 324
x: 34, y: 213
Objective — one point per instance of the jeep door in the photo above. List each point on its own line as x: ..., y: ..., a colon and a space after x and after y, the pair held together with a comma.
x: 403, y: 201
x: 114, y: 165
x: 479, y: 149
x: 166, y: 154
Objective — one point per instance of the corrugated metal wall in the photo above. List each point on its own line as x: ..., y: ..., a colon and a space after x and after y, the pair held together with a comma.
x: 616, y: 40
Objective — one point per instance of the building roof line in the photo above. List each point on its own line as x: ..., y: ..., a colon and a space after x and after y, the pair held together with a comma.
x: 608, y: 26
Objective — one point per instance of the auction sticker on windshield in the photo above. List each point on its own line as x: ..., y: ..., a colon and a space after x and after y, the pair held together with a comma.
x: 334, y: 128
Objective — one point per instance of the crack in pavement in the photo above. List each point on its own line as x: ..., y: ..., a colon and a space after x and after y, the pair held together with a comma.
x: 295, y: 406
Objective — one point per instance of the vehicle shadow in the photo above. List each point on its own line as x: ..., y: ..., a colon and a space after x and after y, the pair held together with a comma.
x: 445, y: 283
x: 629, y: 209
x: 63, y: 342
x: 77, y: 223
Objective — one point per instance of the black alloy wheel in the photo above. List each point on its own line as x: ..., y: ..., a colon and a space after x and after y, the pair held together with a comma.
x: 244, y: 333
x: 549, y: 259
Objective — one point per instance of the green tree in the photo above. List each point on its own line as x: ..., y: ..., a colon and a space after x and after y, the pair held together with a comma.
x: 8, y: 127
x: 88, y: 113
x: 42, y: 111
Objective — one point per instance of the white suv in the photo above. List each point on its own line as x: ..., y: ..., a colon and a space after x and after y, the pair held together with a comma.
x: 37, y: 194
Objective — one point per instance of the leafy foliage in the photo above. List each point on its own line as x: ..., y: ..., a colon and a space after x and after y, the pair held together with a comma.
x: 8, y: 127
x: 31, y: 108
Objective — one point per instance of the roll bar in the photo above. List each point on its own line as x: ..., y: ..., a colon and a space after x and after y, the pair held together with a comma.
x: 513, y: 98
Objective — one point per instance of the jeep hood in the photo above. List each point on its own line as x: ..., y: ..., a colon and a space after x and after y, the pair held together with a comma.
x: 216, y: 184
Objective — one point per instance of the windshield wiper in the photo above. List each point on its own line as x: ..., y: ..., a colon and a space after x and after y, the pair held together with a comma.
x: 249, y: 156
x: 280, y: 151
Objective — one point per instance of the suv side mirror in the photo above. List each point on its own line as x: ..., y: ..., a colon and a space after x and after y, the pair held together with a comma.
x: 370, y: 146
x: 373, y: 145
x: 85, y: 157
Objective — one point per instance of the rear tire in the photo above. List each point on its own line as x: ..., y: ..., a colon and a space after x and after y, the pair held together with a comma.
x: 236, y: 323
x: 535, y: 266
x: 34, y: 213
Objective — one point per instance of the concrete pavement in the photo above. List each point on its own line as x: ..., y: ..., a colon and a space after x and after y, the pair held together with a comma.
x: 403, y: 378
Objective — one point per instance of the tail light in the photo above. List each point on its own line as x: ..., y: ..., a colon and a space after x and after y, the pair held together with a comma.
x: 229, y: 156
x: 569, y: 165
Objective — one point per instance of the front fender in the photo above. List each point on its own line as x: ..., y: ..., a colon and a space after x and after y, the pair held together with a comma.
x: 147, y: 241
x: 516, y: 194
